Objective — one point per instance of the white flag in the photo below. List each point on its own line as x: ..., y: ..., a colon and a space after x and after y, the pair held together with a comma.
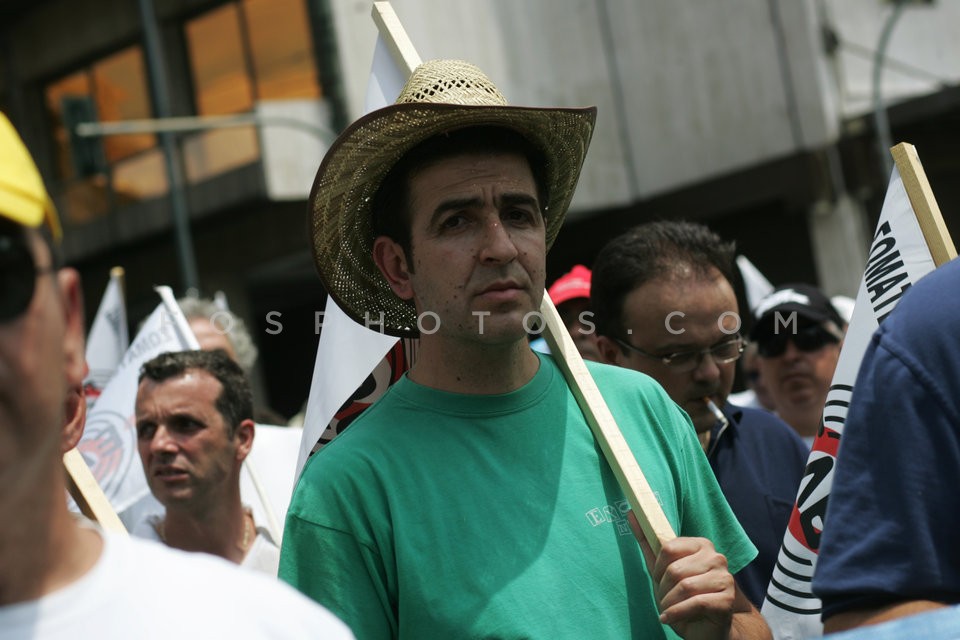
x: 348, y: 352
x: 755, y: 284
x: 108, y: 339
x: 386, y: 79
x: 266, y: 478
x: 109, y: 442
x: 899, y: 256
x: 346, y: 355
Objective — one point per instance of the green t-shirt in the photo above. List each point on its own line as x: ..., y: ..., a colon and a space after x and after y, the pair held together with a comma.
x: 441, y: 515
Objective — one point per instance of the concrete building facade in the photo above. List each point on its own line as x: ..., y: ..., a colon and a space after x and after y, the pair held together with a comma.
x: 753, y: 116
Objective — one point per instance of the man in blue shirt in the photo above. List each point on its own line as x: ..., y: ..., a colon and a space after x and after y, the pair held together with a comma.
x: 889, y: 545
x: 664, y: 305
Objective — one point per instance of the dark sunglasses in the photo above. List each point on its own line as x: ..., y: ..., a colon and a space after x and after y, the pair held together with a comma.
x: 808, y: 339
x: 18, y: 274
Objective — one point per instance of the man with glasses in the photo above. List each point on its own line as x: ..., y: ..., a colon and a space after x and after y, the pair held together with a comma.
x: 60, y: 576
x: 664, y: 305
x: 798, y: 334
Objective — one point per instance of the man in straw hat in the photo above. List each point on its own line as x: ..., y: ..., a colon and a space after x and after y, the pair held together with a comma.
x: 60, y: 576
x: 472, y: 500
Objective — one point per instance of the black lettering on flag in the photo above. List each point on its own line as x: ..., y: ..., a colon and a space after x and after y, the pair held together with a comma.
x: 879, y: 289
x: 882, y: 255
x: 812, y: 515
x: 888, y: 302
x: 885, y: 272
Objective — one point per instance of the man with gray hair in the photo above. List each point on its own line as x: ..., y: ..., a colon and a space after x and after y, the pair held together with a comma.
x: 218, y: 328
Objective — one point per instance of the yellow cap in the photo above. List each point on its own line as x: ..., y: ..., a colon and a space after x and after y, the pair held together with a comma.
x: 23, y: 198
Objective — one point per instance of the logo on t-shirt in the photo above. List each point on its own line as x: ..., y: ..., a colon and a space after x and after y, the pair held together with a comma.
x: 615, y: 514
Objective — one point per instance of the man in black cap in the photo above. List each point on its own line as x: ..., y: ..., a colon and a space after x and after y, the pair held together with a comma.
x: 798, y: 334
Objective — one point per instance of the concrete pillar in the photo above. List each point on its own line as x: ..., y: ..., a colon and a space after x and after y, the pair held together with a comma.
x: 838, y: 232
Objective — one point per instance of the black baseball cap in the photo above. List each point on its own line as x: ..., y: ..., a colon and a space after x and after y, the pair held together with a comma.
x: 811, y: 305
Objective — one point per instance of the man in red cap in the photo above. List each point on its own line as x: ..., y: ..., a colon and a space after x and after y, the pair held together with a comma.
x: 571, y: 294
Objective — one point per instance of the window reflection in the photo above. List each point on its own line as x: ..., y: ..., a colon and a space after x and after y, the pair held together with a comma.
x: 114, y: 88
x: 220, y: 77
x: 75, y: 85
x: 238, y: 53
x: 121, y: 94
x: 283, y: 61
x: 222, y: 85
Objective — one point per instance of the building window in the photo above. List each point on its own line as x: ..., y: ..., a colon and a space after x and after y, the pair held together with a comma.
x: 282, y: 52
x: 239, y: 53
x: 129, y: 168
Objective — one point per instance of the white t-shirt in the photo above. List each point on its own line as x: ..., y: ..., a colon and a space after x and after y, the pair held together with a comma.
x: 263, y: 556
x: 140, y: 589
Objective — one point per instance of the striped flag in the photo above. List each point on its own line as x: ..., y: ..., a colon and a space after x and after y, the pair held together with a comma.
x: 899, y: 256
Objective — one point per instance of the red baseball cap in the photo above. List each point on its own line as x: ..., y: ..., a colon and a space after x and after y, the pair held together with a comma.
x: 571, y: 285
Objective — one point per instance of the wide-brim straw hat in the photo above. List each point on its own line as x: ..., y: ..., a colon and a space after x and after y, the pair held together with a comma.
x: 440, y: 96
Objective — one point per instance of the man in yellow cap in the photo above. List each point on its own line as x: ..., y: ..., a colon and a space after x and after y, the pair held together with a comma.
x: 471, y: 500
x: 60, y: 576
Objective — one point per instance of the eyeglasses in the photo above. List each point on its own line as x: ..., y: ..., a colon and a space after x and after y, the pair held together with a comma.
x: 808, y: 339
x: 18, y: 275
x: 683, y: 361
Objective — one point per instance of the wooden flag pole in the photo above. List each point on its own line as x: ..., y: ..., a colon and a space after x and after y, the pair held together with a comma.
x: 924, y: 204
x: 87, y: 493
x: 118, y: 274
x: 81, y: 484
x: 653, y: 522
x: 393, y: 34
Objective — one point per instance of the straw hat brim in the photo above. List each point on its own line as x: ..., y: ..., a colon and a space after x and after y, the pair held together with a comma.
x: 340, y: 220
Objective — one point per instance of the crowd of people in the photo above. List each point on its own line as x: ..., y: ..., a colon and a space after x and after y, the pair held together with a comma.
x: 472, y: 500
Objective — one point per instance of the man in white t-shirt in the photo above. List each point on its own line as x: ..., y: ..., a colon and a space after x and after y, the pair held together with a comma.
x: 195, y: 428
x: 59, y: 577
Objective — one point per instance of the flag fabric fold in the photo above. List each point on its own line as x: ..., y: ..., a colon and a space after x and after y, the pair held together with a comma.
x: 755, y: 284
x: 349, y: 355
x: 898, y: 257
x: 107, y: 340
x: 346, y: 355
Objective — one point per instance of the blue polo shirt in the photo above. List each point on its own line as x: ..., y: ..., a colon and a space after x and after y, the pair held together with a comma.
x: 758, y: 461
x: 894, y: 512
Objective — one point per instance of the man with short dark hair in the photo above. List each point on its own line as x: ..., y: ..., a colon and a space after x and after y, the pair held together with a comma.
x: 798, y: 334
x: 471, y: 500
x: 62, y: 577
x: 664, y: 305
x: 195, y: 428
